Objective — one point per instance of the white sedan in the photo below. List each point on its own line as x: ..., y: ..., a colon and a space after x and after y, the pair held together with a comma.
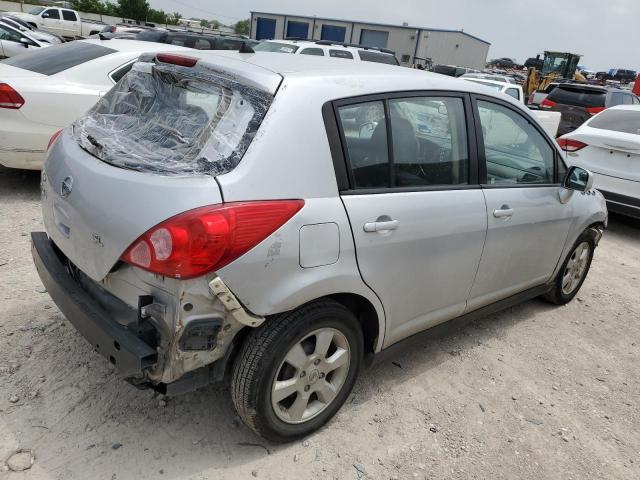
x: 47, y: 90
x: 609, y: 145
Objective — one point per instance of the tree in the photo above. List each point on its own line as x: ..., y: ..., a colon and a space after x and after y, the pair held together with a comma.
x: 89, y: 6
x: 174, y: 17
x: 243, y: 27
x: 205, y: 23
x: 135, y: 9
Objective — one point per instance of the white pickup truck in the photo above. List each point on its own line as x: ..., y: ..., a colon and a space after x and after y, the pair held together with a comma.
x: 60, y: 21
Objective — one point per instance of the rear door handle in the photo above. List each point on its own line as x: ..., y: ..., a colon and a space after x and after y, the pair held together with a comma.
x: 503, y: 212
x: 381, y: 226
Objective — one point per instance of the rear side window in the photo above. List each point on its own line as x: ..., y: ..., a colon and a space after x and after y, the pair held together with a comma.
x: 625, y: 121
x: 152, y: 36
x: 513, y: 92
x: 427, y: 142
x: 57, y: 58
x: 174, y: 121
x: 69, y: 15
x: 578, y: 97
x: 275, y: 47
x: 312, y: 51
x: 202, y: 44
x: 377, y: 57
x: 228, y: 44
x: 340, y: 54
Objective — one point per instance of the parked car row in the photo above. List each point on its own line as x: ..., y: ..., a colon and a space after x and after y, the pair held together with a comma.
x: 60, y: 21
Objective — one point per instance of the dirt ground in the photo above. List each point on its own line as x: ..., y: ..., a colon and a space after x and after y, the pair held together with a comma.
x: 535, y: 392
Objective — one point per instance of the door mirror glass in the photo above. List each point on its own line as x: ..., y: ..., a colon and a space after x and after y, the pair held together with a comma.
x: 45, y: 15
x: 578, y: 179
x: 25, y: 42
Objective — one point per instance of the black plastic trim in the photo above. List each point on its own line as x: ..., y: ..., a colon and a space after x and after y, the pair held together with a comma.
x: 400, y: 347
x: 113, y: 341
x: 335, y: 146
x: 622, y: 204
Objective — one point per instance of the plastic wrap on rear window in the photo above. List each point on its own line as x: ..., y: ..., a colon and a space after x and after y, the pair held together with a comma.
x: 174, y: 120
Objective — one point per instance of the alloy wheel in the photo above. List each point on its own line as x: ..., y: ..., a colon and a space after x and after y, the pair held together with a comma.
x: 576, y: 268
x: 310, y: 376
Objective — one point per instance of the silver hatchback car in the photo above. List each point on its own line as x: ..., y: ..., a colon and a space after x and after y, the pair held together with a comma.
x: 276, y: 219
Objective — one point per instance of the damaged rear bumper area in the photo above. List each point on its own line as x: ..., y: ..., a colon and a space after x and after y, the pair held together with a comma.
x: 129, y: 353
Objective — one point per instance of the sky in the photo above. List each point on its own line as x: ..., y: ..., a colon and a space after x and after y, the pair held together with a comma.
x: 605, y: 32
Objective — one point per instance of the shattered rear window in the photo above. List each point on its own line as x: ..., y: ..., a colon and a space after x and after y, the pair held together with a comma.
x: 174, y: 120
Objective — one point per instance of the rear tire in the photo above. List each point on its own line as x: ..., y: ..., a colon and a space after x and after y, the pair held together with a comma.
x: 294, y: 373
x: 574, y: 270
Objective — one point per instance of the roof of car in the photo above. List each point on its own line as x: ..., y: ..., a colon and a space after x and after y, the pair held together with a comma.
x: 635, y: 108
x: 341, y: 72
x: 492, y: 82
x: 327, y: 43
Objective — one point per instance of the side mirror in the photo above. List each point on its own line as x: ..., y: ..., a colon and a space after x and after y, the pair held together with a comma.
x: 25, y: 42
x: 578, y: 179
x: 45, y: 15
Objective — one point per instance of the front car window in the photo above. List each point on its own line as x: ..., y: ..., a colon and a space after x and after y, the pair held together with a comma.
x: 36, y: 10
x: 516, y: 153
x: 377, y: 57
x: 53, y: 13
x: 8, y: 34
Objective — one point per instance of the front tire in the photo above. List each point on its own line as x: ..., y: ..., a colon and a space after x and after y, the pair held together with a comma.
x: 574, y: 270
x: 294, y: 373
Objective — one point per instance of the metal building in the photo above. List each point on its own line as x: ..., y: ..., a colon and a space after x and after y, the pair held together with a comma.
x: 411, y: 44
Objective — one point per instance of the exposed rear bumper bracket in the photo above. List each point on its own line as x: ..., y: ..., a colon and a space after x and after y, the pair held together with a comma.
x: 231, y: 303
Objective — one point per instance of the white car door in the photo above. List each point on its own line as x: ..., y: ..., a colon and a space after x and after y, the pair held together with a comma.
x: 417, y: 214
x: 51, y: 21
x: 70, y: 23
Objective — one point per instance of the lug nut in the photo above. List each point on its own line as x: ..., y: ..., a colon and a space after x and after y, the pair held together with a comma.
x: 302, y: 374
x: 306, y: 388
x: 316, y: 361
x: 321, y: 375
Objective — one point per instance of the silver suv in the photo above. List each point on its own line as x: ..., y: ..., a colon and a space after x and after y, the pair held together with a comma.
x: 276, y: 219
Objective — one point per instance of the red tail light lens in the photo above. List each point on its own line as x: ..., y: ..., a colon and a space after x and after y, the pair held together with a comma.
x: 9, y: 98
x: 208, y: 238
x: 595, y: 110
x: 53, y: 139
x: 570, y: 145
x: 548, y: 103
x: 180, y: 60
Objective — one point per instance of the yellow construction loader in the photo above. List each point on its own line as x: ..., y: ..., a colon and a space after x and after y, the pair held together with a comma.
x: 555, y: 66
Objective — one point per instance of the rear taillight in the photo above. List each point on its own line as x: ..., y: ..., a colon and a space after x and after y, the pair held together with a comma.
x: 173, y: 59
x: 208, y: 238
x: 9, y: 98
x: 569, y: 145
x: 548, y: 103
x: 595, y: 110
x: 53, y: 139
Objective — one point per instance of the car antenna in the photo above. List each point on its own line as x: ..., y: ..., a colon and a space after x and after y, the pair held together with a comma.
x: 244, y: 48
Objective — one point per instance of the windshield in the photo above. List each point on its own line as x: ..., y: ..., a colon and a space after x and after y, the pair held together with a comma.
x: 173, y: 120
x: 36, y: 10
x: 275, y: 47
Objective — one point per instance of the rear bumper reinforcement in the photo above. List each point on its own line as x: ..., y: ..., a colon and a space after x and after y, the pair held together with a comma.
x: 115, y: 342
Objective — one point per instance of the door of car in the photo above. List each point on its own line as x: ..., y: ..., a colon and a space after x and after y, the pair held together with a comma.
x: 10, y: 42
x: 51, y: 21
x: 70, y: 23
x: 417, y: 214
x: 521, y: 175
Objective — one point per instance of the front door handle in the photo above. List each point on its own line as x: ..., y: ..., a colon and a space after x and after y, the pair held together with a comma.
x: 503, y: 212
x: 381, y: 226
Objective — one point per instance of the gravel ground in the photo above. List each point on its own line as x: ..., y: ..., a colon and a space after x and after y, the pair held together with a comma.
x: 535, y: 392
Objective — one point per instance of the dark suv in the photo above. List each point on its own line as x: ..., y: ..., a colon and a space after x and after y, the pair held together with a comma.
x: 197, y: 40
x: 579, y: 102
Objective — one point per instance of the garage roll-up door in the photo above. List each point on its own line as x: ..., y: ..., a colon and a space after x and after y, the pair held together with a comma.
x: 297, y: 30
x: 374, y: 38
x: 266, y: 29
x: 333, y: 33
